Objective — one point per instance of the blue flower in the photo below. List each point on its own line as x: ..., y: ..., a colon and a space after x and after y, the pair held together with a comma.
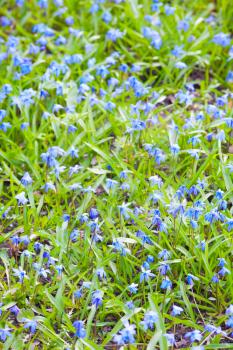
x: 5, y: 21
x: 26, y: 179
x: 193, y: 336
x: 37, y: 247
x: 166, y: 284
x: 190, y: 279
x: 79, y: 328
x: 176, y: 310
x: 20, y: 273
x: 222, y: 39
x: 118, y: 246
x: 25, y: 240
x: 5, y: 126
x: 21, y: 198
x: 212, y: 329
x: 169, y: 10
x: 124, y: 211
x: 183, y: 25
x: 229, y: 310
x: 223, y: 271
x: 180, y: 65
x: 145, y: 275
x: 229, y: 77
x: 164, y: 254
x: 97, y: 298
x: 101, y: 273
x: 30, y: 324
x: 133, y: 288
x: 110, y: 184
x: 215, y: 279
x: 107, y: 17
x: 130, y: 305
x: 4, y: 334
x: 49, y: 187
x: 114, y: 34
x: 78, y: 294
x: 126, y: 335
x: 149, y: 321
x: 175, y: 149
x: 202, y: 245
x: 229, y: 224
x: 145, y: 239
x: 164, y: 268
x: 170, y: 338
x: 15, y: 240
x: 14, y: 310
x: 229, y: 322
x: 2, y: 114
x: 59, y: 269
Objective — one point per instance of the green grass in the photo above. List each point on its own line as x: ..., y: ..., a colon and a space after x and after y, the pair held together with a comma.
x: 108, y: 143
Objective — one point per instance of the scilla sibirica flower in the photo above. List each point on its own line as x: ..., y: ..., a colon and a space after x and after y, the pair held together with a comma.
x: 80, y: 331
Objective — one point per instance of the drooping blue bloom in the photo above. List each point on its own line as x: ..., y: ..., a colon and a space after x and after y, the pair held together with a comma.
x: 25, y: 240
x: 126, y: 335
x: 150, y: 259
x: 114, y: 34
x: 180, y: 65
x: 166, y: 284
x: 110, y: 184
x: 193, y: 336
x: 212, y: 329
x: 4, y: 334
x: 20, y: 274
x: 15, y: 240
x: 215, y: 278
x: 37, y: 247
x: 80, y: 331
x: 21, y: 198
x: 5, y: 126
x: 202, y: 245
x: 130, y: 305
x: 30, y: 324
x: 133, y: 288
x: 164, y: 254
x: 223, y: 271
x: 176, y: 310
x: 101, y: 273
x: 229, y: 77
x: 163, y: 268
x: 26, y: 179
x: 145, y: 239
x: 229, y: 310
x: 97, y: 298
x: 175, y: 149
x: 49, y: 187
x: 124, y: 211
x: 222, y: 39
x: 229, y: 322
x: 14, y: 310
x: 191, y: 278
x: 2, y: 114
x: 59, y: 269
x: 145, y: 275
x: 149, y: 321
x: 78, y: 294
x: 120, y: 247
x: 169, y: 10
x: 183, y: 25
x: 170, y: 338
x: 107, y: 17
x: 229, y: 224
